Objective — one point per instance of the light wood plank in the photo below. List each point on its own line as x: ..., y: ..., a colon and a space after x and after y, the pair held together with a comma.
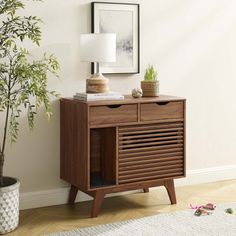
x: 41, y: 221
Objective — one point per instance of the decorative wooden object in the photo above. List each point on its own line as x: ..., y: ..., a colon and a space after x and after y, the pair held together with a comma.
x: 114, y: 146
x: 97, y: 84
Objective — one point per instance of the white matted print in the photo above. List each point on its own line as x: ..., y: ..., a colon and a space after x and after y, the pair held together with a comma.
x: 123, y: 20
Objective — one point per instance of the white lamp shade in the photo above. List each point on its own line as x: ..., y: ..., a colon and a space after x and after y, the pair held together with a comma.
x: 98, y: 47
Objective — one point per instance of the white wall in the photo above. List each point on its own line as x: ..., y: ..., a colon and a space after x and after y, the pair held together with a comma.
x: 192, y: 43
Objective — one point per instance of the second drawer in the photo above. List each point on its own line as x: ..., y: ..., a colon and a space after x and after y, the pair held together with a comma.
x: 110, y: 114
x: 162, y: 110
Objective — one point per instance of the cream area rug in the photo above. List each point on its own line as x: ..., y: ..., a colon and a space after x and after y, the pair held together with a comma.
x: 182, y: 223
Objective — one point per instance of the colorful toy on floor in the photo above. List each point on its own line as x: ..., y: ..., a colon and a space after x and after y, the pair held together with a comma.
x: 201, y: 212
x: 195, y: 207
x: 229, y: 211
x: 209, y: 206
x: 203, y: 209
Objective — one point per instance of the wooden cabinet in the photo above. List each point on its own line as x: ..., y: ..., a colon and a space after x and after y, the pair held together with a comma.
x: 113, y: 146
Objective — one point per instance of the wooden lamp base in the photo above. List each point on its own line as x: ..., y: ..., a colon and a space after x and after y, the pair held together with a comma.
x: 97, y: 84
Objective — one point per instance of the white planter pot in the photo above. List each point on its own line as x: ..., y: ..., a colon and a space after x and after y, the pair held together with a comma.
x: 9, y: 205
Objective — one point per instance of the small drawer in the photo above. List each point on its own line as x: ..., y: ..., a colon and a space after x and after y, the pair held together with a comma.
x: 162, y: 110
x: 112, y: 114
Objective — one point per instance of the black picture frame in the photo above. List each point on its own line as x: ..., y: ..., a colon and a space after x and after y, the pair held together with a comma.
x: 128, y: 49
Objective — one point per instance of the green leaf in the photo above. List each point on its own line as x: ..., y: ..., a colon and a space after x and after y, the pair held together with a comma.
x: 23, y: 80
x: 150, y: 74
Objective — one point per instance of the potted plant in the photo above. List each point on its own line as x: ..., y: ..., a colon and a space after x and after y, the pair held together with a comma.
x: 23, y: 86
x: 150, y: 84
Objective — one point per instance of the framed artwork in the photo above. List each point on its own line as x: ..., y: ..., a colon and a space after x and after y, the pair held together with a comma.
x: 123, y: 20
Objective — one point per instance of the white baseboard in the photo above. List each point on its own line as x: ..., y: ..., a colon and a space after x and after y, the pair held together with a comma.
x: 208, y: 175
x: 59, y: 196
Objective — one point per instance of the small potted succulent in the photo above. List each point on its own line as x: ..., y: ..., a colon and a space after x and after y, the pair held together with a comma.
x: 23, y: 86
x: 150, y: 84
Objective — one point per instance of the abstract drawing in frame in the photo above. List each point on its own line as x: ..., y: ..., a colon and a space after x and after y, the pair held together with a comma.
x: 122, y: 19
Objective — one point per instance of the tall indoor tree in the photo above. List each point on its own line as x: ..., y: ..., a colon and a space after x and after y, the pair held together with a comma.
x: 23, y: 80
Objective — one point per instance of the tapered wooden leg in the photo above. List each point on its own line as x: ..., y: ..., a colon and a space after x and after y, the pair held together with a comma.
x: 169, y: 184
x: 97, y: 202
x: 72, y: 194
x: 146, y: 190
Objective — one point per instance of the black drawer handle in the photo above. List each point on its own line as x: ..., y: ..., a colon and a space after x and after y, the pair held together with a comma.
x: 114, y: 106
x: 162, y: 103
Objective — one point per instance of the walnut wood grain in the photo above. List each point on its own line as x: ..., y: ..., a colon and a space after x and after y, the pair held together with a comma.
x: 72, y: 194
x: 74, y: 133
x: 149, y: 152
x: 95, y: 150
x: 169, y: 185
x: 153, y: 168
x: 147, y: 127
x: 131, y: 186
x: 152, y: 148
x: 113, y: 146
x: 159, y: 110
x: 130, y: 100
x: 109, y: 155
x: 145, y: 163
x: 146, y: 190
x: 159, y: 176
x: 163, y: 155
x: 103, y: 154
x: 136, y: 163
x: 98, y: 199
x: 112, y: 114
x: 133, y: 123
x: 155, y: 174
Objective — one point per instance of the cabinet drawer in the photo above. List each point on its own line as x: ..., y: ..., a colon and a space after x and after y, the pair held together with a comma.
x: 110, y: 114
x: 162, y: 110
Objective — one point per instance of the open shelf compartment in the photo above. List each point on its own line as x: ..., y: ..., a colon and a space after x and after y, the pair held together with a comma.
x: 103, y: 167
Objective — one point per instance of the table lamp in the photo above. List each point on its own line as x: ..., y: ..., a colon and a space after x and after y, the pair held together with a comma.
x: 97, y: 48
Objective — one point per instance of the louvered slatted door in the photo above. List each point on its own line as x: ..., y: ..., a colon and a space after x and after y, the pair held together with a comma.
x: 151, y: 152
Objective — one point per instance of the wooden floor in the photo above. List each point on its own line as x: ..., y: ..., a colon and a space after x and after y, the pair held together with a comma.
x: 46, y: 220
